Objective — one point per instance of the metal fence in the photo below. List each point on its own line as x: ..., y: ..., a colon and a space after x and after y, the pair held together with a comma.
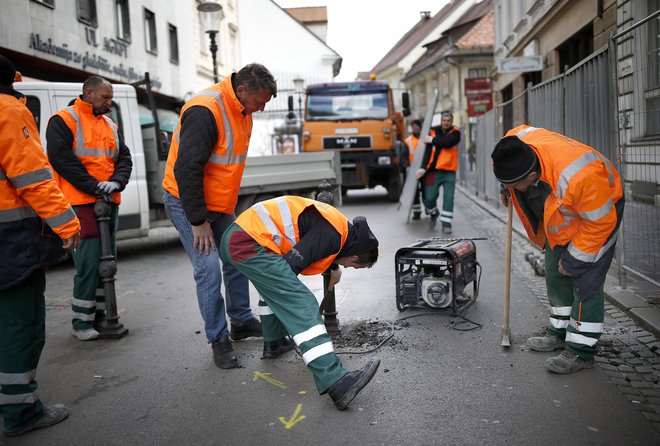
x: 582, y: 104
x: 637, y: 72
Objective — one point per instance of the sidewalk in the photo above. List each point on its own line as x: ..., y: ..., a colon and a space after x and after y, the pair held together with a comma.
x: 640, y: 300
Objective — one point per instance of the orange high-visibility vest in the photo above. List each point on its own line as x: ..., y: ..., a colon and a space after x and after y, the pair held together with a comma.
x: 585, y: 186
x: 27, y: 188
x: 448, y: 157
x: 224, y: 169
x: 412, y: 141
x: 274, y: 225
x: 95, y: 143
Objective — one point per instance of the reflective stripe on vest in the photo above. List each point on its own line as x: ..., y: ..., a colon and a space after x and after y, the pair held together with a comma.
x: 228, y: 158
x: 287, y: 221
x: 523, y: 132
x: 29, y: 178
x: 81, y: 150
x: 7, y: 215
x: 591, y: 258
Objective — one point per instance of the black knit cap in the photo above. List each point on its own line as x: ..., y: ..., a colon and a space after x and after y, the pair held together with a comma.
x: 365, y: 239
x: 513, y: 160
x: 7, y: 71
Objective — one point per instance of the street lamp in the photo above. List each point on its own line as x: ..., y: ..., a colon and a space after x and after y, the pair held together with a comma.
x: 299, y: 88
x: 210, y: 14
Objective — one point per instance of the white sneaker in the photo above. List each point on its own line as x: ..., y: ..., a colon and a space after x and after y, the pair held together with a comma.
x: 85, y: 335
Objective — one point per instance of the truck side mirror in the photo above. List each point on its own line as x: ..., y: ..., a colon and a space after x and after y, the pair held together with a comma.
x: 405, y: 101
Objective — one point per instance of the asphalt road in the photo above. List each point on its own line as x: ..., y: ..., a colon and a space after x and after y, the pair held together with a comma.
x: 437, y: 385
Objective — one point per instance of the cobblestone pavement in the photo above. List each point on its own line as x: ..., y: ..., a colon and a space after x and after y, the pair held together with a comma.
x: 629, y: 355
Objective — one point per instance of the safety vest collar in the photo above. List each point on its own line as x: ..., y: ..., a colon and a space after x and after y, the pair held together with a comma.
x: 79, y: 108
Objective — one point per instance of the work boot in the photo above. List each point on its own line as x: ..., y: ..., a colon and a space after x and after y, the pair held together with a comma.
x: 343, y: 391
x: 545, y: 343
x: 434, y: 219
x: 446, y: 230
x: 88, y: 334
x: 273, y: 349
x: 567, y: 362
x: 244, y: 330
x: 416, y: 215
x: 51, y: 415
x: 223, y: 353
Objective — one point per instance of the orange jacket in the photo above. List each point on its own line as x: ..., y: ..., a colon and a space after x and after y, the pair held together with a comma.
x: 224, y: 169
x: 580, y: 210
x: 95, y: 143
x: 28, y: 196
x: 412, y: 141
x: 274, y: 225
x: 448, y: 157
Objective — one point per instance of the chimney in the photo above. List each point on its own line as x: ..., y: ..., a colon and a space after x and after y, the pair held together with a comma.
x: 425, y: 14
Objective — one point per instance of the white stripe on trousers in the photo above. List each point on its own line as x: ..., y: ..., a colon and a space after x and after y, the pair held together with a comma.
x: 317, y: 352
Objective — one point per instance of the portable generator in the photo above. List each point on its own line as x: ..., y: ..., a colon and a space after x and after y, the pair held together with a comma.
x: 435, y: 273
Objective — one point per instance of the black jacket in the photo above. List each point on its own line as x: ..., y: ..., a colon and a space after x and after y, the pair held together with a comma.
x: 318, y: 240
x: 441, y: 140
x: 198, y: 136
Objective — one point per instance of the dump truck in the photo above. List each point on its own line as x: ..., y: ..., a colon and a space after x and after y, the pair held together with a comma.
x: 358, y: 120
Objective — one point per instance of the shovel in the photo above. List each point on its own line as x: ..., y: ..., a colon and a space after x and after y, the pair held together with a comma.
x: 506, y: 331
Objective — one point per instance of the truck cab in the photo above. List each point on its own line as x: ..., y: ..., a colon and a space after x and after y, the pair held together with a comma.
x: 358, y: 120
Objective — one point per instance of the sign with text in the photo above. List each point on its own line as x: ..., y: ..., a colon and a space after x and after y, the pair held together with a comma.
x: 478, y: 86
x: 520, y: 64
x: 479, y: 105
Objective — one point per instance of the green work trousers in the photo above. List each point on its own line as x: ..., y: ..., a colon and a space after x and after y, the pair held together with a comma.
x: 446, y: 180
x: 286, y: 305
x: 88, y: 303
x: 22, y: 337
x: 580, y: 323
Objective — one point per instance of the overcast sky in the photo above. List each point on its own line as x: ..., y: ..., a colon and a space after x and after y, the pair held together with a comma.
x: 363, y: 31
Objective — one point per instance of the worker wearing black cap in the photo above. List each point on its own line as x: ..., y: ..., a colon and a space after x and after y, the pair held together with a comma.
x: 569, y: 198
x: 274, y: 241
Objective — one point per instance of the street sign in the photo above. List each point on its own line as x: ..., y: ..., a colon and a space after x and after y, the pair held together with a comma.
x: 520, y: 64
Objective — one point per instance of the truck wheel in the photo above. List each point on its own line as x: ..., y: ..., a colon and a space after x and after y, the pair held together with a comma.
x: 394, y: 187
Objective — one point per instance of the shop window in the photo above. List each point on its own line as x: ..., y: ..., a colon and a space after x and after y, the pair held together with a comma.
x: 151, y: 44
x: 174, y: 44
x: 123, y: 20
x: 87, y: 12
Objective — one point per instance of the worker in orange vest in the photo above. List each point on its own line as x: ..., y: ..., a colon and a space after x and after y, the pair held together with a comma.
x: 202, y: 179
x: 37, y: 224
x: 90, y: 159
x: 274, y: 241
x: 439, y: 170
x: 411, y: 144
x: 570, y: 200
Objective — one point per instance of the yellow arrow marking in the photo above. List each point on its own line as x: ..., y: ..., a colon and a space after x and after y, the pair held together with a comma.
x: 288, y: 424
x: 266, y: 377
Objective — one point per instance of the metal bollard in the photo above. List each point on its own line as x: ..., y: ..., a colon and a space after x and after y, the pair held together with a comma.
x: 109, y: 328
x: 328, y: 308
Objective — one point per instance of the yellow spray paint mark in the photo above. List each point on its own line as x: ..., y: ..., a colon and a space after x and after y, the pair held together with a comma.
x: 295, y: 418
x: 302, y: 392
x: 266, y: 377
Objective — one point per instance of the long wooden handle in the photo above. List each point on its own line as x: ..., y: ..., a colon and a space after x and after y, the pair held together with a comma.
x: 507, y: 263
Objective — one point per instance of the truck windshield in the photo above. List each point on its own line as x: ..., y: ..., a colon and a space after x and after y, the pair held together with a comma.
x: 347, y: 107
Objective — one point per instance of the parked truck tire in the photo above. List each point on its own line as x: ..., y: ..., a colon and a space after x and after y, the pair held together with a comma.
x: 394, y: 185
